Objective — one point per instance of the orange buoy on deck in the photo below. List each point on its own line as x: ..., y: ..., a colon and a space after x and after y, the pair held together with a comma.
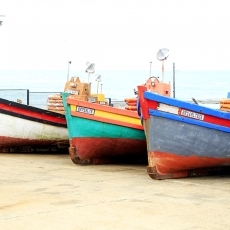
x: 54, y: 97
x: 225, y: 105
x: 225, y: 109
x: 131, y: 103
x: 224, y: 101
x: 54, y: 108
x: 55, y: 104
x: 55, y: 100
x: 131, y: 100
x: 134, y: 108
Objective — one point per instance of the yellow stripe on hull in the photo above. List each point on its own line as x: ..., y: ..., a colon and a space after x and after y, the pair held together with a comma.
x: 113, y: 116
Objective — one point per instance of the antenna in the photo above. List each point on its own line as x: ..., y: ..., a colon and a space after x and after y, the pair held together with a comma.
x: 68, y: 71
x: 98, y: 79
x: 162, y: 55
x: 150, y: 69
x: 90, y: 69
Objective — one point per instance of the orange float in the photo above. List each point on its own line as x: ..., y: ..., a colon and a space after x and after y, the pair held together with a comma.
x: 131, y: 100
x: 58, y: 108
x: 134, y: 108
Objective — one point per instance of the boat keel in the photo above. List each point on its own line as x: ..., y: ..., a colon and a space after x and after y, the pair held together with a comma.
x: 76, y: 159
x: 154, y: 174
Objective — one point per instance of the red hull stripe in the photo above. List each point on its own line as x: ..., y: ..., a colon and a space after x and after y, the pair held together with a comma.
x: 28, y: 112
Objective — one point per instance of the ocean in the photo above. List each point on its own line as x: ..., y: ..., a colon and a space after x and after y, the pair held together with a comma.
x: 207, y: 87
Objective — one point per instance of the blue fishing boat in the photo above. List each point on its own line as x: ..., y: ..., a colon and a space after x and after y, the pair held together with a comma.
x: 183, y: 139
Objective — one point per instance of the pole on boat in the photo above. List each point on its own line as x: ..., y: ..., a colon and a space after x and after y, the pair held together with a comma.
x: 150, y: 69
x: 162, y: 55
x: 68, y: 71
x: 98, y: 79
x: 163, y: 71
x: 173, y: 80
x: 90, y: 69
x: 101, y: 88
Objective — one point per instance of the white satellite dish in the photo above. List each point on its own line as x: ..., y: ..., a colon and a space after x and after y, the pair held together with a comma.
x: 98, y: 79
x: 162, y: 54
x: 90, y: 67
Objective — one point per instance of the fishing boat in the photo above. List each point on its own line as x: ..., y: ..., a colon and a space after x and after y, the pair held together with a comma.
x: 26, y: 128
x: 183, y: 139
x: 99, y: 133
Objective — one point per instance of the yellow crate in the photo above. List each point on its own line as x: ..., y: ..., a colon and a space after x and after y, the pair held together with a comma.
x: 100, y: 97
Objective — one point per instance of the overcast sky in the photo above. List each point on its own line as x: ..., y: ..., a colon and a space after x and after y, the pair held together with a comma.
x: 114, y: 34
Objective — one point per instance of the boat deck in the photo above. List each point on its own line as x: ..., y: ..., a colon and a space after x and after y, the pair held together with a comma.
x: 48, y: 191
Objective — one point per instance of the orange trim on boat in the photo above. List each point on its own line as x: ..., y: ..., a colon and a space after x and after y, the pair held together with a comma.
x: 110, y: 121
x: 86, y: 104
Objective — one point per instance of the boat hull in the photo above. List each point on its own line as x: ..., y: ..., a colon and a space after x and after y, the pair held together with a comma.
x: 109, y: 150
x: 172, y: 155
x: 183, y: 139
x: 23, y: 125
x: 106, y: 136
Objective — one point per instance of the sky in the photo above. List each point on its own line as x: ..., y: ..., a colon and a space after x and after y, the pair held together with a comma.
x: 114, y: 34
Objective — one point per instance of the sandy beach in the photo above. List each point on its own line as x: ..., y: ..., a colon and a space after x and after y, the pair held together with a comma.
x: 48, y: 191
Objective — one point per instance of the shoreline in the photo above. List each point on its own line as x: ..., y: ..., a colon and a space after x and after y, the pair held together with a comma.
x: 48, y: 191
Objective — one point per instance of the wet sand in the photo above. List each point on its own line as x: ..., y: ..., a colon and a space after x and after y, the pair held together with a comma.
x: 48, y: 191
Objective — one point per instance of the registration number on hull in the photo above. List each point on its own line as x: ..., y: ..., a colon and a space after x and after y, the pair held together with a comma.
x: 81, y: 109
x: 187, y: 113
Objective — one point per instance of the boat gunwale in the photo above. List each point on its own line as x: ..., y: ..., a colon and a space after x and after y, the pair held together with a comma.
x: 186, y: 105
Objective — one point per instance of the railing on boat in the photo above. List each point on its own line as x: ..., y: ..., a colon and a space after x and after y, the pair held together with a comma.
x: 25, y: 96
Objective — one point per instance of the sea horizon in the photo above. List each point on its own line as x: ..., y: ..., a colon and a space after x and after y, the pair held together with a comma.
x: 204, y: 86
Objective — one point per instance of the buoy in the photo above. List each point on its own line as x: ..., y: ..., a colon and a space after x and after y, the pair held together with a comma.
x: 225, y: 101
x: 133, y: 108
x: 58, y: 108
x: 54, y: 100
x: 226, y: 106
x: 225, y: 109
x: 131, y: 103
x: 131, y: 100
x: 54, y: 97
x: 55, y: 104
